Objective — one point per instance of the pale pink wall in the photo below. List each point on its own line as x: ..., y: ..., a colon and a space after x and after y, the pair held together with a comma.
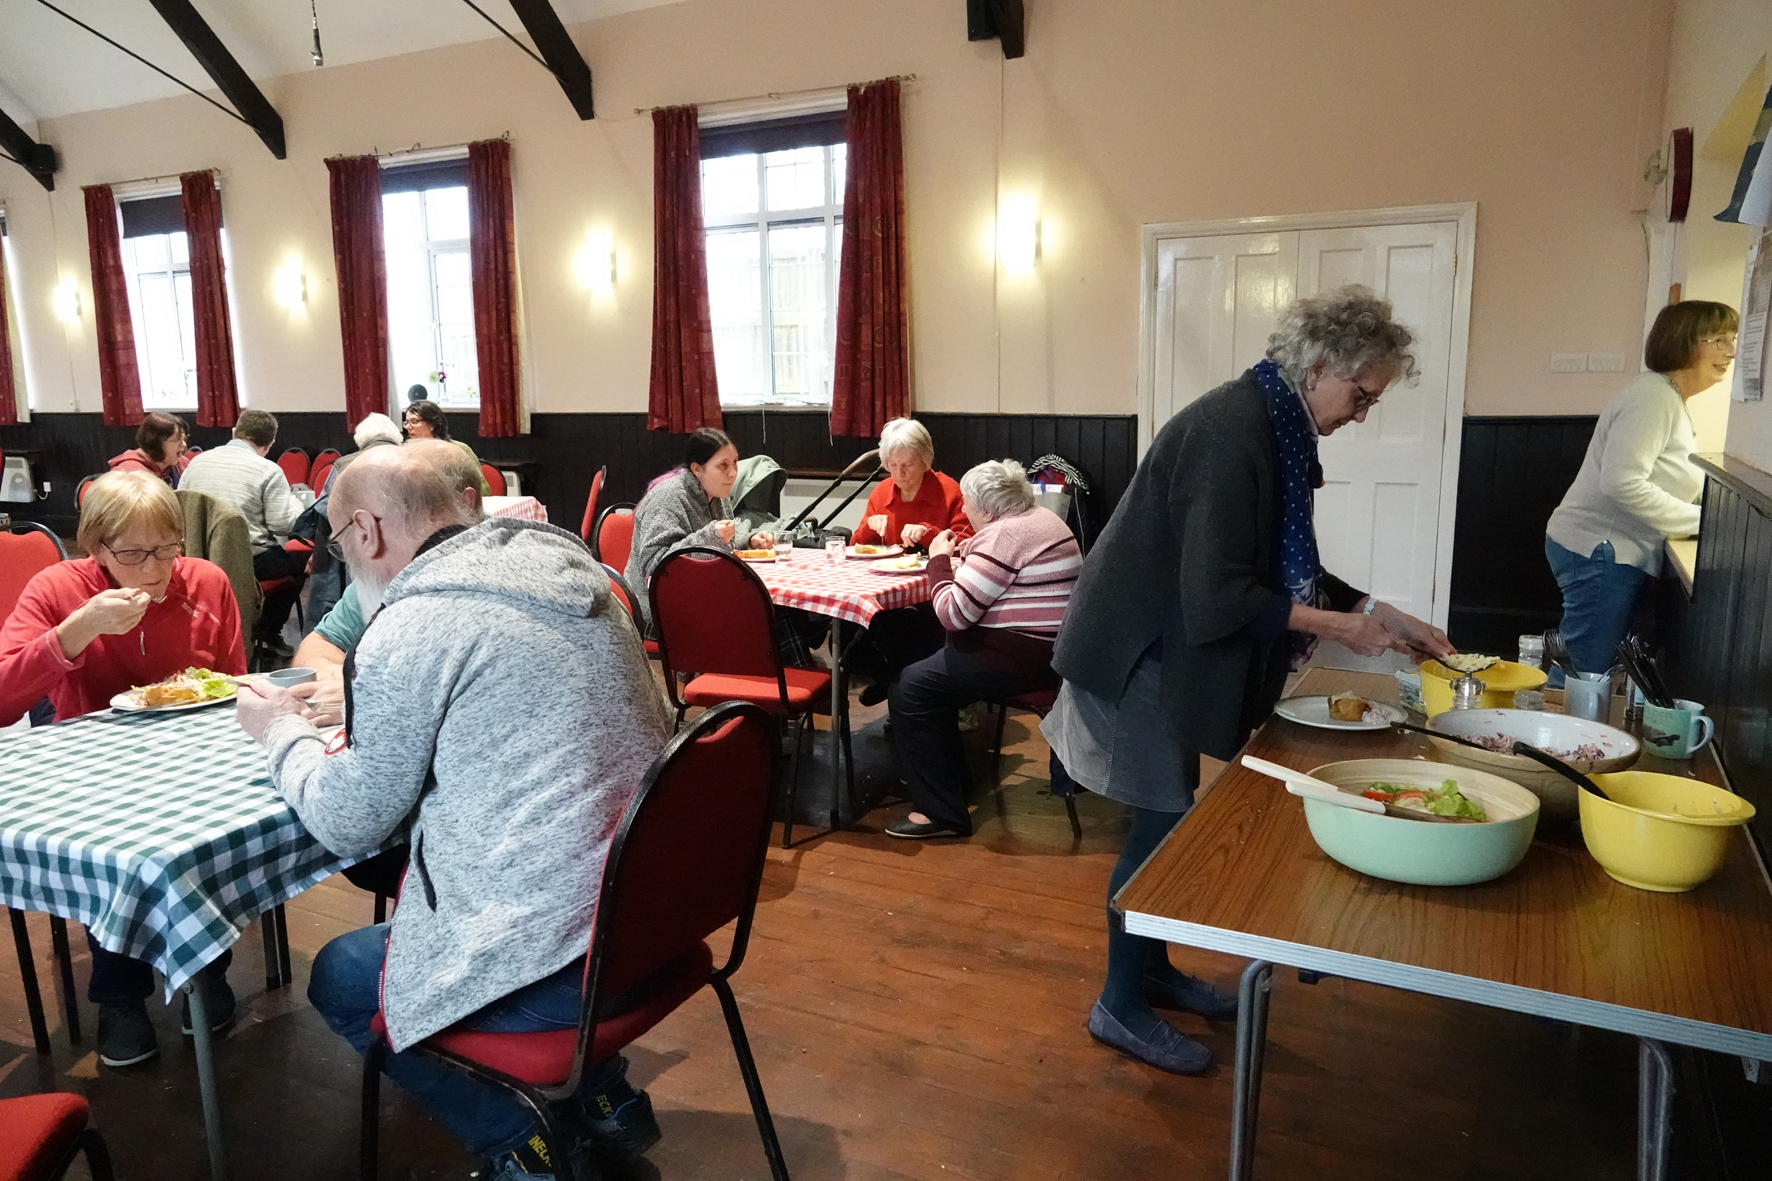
x: 1123, y: 113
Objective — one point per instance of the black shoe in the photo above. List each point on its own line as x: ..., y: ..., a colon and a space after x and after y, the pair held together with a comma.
x: 908, y: 830
x: 125, y: 1035
x: 1192, y: 995
x: 275, y: 646
x: 218, y: 999
x: 624, y: 1133
x: 1167, y: 1048
x: 874, y: 694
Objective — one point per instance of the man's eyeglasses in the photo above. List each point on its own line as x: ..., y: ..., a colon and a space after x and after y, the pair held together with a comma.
x: 332, y: 545
x: 135, y: 557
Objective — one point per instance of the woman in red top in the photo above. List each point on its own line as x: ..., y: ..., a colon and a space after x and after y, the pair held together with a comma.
x: 159, y: 449
x: 918, y: 502
x: 85, y: 630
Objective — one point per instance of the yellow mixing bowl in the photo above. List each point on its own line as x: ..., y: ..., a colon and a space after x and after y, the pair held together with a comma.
x: 1660, y: 832
x: 1499, y: 681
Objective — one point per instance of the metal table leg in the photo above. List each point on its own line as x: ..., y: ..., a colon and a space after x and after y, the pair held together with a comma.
x: 212, y: 1125
x: 1252, y: 1001
x: 837, y: 704
x: 1655, y: 1108
x: 27, y: 974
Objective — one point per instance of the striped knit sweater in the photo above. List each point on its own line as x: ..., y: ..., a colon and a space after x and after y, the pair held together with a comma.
x: 1016, y: 573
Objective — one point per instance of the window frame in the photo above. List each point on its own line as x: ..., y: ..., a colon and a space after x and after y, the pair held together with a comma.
x: 422, y: 178
x: 183, y: 304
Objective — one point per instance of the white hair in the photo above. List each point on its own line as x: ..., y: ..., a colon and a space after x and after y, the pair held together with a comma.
x: 998, y: 488
x: 1350, y: 328
x: 376, y: 427
x: 907, y: 434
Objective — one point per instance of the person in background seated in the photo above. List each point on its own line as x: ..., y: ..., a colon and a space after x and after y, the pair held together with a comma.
x: 134, y: 611
x: 498, y: 645
x: 917, y: 502
x: 242, y: 478
x: 326, y: 577
x: 376, y: 430
x: 1001, y: 602
x: 159, y: 449
x: 426, y: 420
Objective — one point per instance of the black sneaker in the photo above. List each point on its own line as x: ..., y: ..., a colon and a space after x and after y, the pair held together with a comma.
x: 623, y: 1134
x: 275, y: 646
x: 218, y: 998
x: 125, y: 1035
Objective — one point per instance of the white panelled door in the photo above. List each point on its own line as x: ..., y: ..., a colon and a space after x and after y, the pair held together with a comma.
x: 1217, y: 299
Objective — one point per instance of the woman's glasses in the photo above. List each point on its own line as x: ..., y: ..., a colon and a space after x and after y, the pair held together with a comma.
x: 1364, y: 399
x: 135, y: 557
x: 1726, y: 343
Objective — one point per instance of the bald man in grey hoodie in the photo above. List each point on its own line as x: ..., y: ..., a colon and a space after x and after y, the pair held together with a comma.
x: 499, y: 713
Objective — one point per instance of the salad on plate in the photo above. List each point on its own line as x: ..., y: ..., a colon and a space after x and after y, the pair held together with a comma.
x: 1445, y: 800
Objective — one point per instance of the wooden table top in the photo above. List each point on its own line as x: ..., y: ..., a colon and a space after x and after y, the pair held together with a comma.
x: 1555, y: 937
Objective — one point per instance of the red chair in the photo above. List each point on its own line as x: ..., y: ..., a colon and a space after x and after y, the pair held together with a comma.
x: 29, y: 548
x: 686, y: 861
x: 322, y: 468
x: 40, y: 1135
x: 80, y: 491
x: 714, y: 616
x: 587, y: 528
x: 614, y: 536
x: 495, y: 479
x: 294, y: 462
x: 625, y: 593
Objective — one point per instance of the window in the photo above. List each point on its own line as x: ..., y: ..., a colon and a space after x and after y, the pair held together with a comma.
x: 157, y: 259
x: 774, y: 221
x: 430, y: 284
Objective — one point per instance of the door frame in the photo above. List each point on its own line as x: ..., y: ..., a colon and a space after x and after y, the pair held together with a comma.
x: 1464, y: 213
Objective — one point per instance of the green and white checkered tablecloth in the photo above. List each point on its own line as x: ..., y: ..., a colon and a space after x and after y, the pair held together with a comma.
x: 159, y: 832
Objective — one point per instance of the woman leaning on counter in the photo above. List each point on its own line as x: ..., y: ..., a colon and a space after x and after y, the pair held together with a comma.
x: 1203, y: 591
x: 1637, y: 484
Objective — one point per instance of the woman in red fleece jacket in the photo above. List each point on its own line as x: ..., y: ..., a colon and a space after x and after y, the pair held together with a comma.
x: 85, y: 630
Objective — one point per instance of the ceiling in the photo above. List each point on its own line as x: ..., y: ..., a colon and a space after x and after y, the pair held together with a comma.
x: 50, y: 67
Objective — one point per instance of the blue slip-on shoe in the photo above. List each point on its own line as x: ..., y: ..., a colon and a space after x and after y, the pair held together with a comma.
x: 1192, y: 995
x: 1171, y: 1050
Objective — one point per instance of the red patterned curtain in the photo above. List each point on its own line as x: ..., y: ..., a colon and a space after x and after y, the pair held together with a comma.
x: 362, y: 283
x: 872, y: 380
x: 218, y: 396
x: 119, y: 381
x: 685, y: 394
x: 492, y: 247
x: 8, y: 382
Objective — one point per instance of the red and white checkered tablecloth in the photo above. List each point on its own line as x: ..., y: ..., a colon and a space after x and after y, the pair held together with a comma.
x: 848, y: 590
x: 526, y: 508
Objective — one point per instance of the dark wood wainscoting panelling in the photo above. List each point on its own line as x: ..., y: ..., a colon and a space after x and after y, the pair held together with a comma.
x: 1511, y: 476
x: 568, y: 449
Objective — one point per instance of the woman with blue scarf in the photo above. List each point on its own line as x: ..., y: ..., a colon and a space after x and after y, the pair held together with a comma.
x: 1202, y: 593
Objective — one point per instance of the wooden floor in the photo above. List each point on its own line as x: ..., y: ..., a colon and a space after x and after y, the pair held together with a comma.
x: 917, y: 1010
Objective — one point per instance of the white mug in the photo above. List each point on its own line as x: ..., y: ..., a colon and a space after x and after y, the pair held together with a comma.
x: 1588, y: 695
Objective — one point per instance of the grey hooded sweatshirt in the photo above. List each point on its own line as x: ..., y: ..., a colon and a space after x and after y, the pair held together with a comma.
x: 502, y: 705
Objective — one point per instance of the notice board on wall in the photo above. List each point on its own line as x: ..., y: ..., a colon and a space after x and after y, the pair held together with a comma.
x: 1756, y: 322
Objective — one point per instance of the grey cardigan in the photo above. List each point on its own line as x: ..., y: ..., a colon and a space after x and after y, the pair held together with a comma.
x: 1189, y: 558
x: 674, y: 515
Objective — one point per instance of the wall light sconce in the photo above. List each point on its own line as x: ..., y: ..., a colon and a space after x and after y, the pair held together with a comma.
x: 595, y: 264
x: 290, y: 286
x: 65, y: 299
x: 1018, y: 235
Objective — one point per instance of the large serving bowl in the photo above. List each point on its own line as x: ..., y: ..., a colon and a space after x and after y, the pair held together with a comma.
x: 1556, y: 734
x: 1499, y: 684
x: 1660, y: 832
x: 1424, y: 853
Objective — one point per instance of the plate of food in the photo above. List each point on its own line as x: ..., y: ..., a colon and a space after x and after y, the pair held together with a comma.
x: 194, y: 688
x: 875, y: 551
x: 907, y: 564
x: 1343, y: 711
x: 756, y: 555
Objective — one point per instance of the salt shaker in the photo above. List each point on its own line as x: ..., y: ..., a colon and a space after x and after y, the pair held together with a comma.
x: 1467, y: 692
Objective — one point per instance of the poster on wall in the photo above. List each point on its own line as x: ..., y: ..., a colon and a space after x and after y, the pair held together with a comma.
x: 1756, y: 321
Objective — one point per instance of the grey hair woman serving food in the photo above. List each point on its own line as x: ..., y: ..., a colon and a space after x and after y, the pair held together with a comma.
x: 1203, y: 591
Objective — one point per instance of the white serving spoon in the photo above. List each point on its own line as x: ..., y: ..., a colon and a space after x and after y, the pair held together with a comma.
x: 1300, y: 784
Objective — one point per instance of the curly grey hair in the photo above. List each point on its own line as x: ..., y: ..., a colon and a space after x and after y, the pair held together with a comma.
x: 1350, y: 328
x: 998, y: 488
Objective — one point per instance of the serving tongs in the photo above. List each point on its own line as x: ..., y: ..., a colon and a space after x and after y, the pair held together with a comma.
x: 1520, y: 748
x: 1310, y: 787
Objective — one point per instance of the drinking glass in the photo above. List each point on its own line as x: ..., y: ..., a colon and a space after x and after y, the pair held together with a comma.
x: 833, y: 549
x: 784, y: 547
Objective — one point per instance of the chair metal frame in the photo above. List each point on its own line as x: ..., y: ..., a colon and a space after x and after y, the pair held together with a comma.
x: 587, y: 528
x: 21, y: 527
x: 596, y: 541
x: 1004, y: 705
x: 538, y: 1098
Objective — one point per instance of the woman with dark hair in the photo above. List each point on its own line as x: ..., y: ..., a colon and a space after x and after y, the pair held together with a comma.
x: 159, y: 449
x: 425, y: 420
x: 1637, y: 485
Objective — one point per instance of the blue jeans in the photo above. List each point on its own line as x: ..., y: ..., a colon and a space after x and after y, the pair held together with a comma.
x: 1599, y: 595
x: 345, y: 988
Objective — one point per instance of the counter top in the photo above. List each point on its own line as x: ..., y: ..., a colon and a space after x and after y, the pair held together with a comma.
x: 1682, y: 559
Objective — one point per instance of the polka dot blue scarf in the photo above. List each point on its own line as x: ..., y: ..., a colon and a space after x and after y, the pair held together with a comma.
x: 1295, y: 446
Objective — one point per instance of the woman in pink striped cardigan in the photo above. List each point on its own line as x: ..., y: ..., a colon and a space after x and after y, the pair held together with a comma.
x: 1000, y: 597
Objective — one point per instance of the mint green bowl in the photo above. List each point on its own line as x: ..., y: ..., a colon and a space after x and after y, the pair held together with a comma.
x: 1418, y: 852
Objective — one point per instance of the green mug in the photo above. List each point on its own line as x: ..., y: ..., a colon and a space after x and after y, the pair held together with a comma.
x: 1677, y: 733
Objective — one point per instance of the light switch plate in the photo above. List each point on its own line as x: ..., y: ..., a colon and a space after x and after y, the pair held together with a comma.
x: 1605, y: 362
x: 1568, y: 362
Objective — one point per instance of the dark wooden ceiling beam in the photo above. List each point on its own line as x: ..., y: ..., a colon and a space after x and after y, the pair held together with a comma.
x: 221, y: 67
x: 1004, y: 20
x: 557, y: 49
x: 38, y: 159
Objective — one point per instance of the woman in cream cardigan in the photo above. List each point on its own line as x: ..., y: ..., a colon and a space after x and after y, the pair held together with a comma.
x: 1637, y: 485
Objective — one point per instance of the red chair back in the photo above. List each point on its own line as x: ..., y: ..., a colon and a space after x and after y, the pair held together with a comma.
x: 80, y: 492
x: 294, y: 462
x: 618, y: 586
x: 713, y: 615
x: 588, y: 525
x: 614, y: 536
x: 321, y: 471
x: 25, y: 551
x: 495, y: 479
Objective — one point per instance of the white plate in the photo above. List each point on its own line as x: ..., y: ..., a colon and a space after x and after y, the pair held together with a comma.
x: 884, y: 552
x: 891, y: 566
x: 1314, y: 711
x: 123, y: 705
